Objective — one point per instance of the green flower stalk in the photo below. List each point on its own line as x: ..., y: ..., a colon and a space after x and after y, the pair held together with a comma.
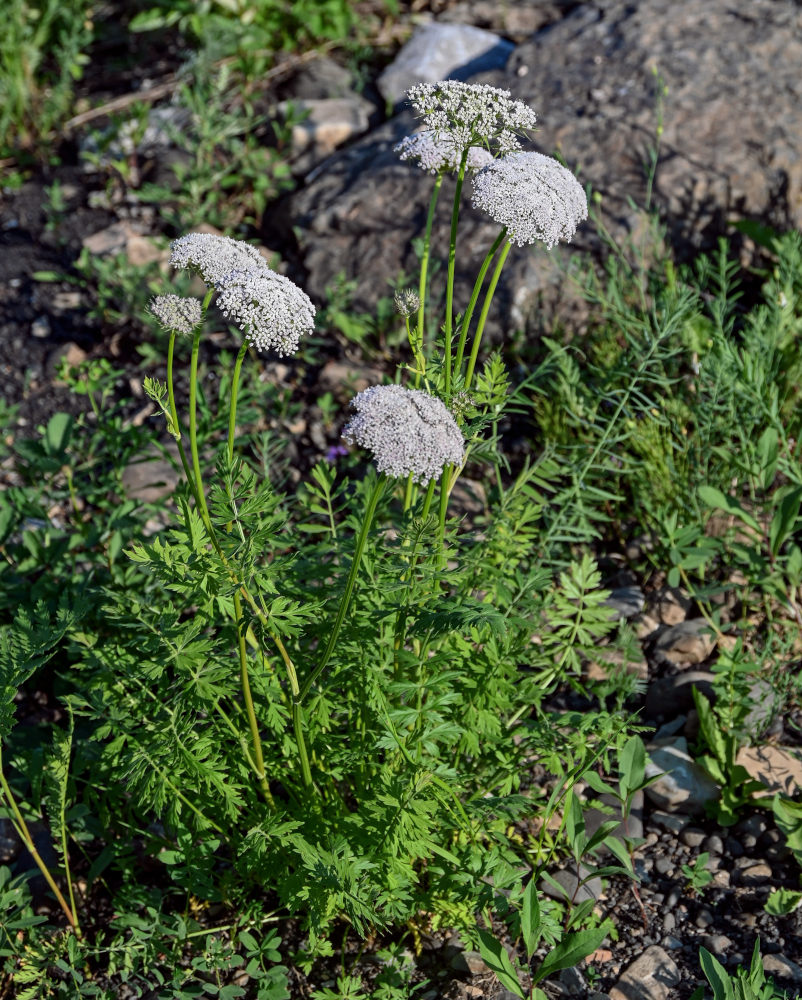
x: 272, y: 313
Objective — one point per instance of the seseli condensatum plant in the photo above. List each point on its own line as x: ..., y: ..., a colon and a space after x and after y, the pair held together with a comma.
x: 334, y: 689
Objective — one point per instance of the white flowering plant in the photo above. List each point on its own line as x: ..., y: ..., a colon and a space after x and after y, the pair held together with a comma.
x: 332, y: 687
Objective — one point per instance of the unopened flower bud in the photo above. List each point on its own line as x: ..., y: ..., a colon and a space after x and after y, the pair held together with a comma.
x: 406, y: 301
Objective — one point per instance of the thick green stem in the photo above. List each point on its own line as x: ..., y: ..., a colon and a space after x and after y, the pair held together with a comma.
x: 424, y: 264
x: 345, y: 600
x: 477, y: 287
x: 256, y: 740
x: 174, y: 412
x: 483, y: 316
x: 25, y: 835
x: 452, y: 257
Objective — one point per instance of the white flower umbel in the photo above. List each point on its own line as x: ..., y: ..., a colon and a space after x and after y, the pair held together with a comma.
x: 437, y: 154
x: 472, y: 114
x: 407, y: 431
x: 215, y: 257
x: 533, y: 195
x: 272, y: 311
x: 176, y: 313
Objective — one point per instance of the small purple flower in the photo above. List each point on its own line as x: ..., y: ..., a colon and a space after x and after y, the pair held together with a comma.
x: 334, y: 452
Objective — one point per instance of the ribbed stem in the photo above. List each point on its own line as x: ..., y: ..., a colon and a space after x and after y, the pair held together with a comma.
x: 345, y: 600
x: 452, y: 257
x: 477, y: 287
x: 483, y: 316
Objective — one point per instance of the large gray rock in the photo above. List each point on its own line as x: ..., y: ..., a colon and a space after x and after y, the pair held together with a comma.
x: 442, y: 52
x: 730, y: 148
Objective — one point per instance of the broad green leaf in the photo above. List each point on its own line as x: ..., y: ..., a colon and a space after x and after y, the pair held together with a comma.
x: 530, y: 919
x: 498, y: 961
x: 716, y: 975
x: 631, y: 765
x: 784, y: 520
x: 572, y: 949
x: 768, y: 451
x: 57, y: 434
x: 597, y: 784
x: 783, y: 901
x: 709, y: 725
x: 713, y: 497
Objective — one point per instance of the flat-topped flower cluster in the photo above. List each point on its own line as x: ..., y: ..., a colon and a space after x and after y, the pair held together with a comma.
x: 272, y: 311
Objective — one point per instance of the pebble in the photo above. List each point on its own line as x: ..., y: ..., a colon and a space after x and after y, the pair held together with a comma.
x: 574, y: 982
x: 782, y: 968
x: 734, y: 848
x: 671, y: 605
x: 470, y: 962
x: 689, y: 641
x: 692, y: 836
x: 755, y: 825
x: 714, y: 844
x: 704, y: 918
x: 671, y: 942
x: 668, y: 821
x: 717, y: 944
x: 669, y: 923
x: 652, y: 976
x: 756, y: 875
x: 664, y: 866
x: 672, y: 899
x: 721, y: 879
x: 625, y: 602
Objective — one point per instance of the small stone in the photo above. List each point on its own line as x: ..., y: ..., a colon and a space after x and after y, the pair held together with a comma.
x: 40, y: 327
x: 10, y: 843
x: 704, y: 918
x: 782, y: 968
x: 717, y: 944
x: 714, y: 844
x: 756, y: 875
x: 326, y: 124
x: 470, y: 962
x: 668, y: 821
x: 692, y: 836
x: 625, y: 602
x: 671, y: 605
x: 721, y: 879
x: 650, y: 977
x: 682, y: 785
x: 664, y: 866
x: 437, y: 52
x: 756, y: 824
x: 733, y: 847
x: 669, y: 922
x: 689, y: 641
x: 151, y: 477
x: 574, y: 982
x: 70, y: 353
x: 672, y: 943
x: 645, y: 626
